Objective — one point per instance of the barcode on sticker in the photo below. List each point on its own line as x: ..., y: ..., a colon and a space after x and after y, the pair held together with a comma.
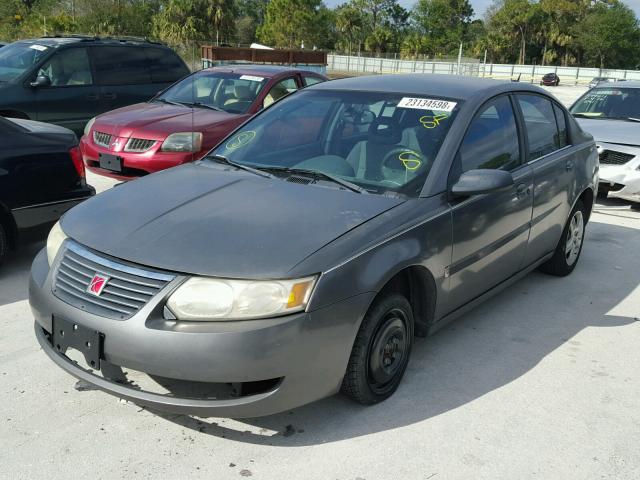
x: 252, y: 78
x: 427, y: 104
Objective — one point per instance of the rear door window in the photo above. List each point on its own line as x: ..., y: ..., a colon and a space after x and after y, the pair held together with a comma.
x: 166, y: 66
x: 561, y: 120
x: 540, y: 123
x: 121, y: 65
x: 279, y: 90
x: 491, y: 141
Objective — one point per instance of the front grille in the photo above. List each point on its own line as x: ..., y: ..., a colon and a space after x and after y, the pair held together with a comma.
x: 139, y: 145
x: 126, y: 292
x: 102, y: 139
x: 611, y: 157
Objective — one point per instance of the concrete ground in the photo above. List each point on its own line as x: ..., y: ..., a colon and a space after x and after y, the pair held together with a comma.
x: 539, y: 382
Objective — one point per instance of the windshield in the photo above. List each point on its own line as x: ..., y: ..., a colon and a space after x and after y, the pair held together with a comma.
x: 17, y: 58
x: 229, y: 92
x: 377, y: 141
x: 617, y: 103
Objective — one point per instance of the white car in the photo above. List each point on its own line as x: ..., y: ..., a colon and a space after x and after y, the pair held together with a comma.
x: 611, y: 113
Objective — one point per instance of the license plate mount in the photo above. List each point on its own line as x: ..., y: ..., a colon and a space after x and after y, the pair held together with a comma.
x: 89, y: 342
x: 110, y: 162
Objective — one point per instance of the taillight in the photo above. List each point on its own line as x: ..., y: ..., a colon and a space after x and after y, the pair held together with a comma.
x: 76, y: 157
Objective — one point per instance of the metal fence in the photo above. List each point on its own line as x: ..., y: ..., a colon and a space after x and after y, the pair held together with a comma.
x: 527, y: 73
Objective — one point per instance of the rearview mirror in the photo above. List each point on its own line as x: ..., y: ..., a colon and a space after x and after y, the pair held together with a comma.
x: 476, y: 182
x: 41, y: 81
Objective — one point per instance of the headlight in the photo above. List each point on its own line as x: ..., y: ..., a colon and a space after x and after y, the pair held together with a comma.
x: 204, y: 299
x: 87, y: 127
x: 54, y: 241
x: 183, y: 142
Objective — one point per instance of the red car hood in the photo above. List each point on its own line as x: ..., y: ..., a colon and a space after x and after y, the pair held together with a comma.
x: 157, y: 120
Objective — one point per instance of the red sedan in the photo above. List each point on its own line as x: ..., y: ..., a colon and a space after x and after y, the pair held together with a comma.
x: 185, y: 121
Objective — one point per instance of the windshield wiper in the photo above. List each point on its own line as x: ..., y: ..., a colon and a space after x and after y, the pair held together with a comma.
x: 318, y: 176
x: 164, y: 100
x: 201, y: 105
x: 224, y: 160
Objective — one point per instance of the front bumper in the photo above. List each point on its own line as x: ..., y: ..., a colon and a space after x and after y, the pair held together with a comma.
x: 134, y: 164
x: 621, y: 181
x: 307, y: 352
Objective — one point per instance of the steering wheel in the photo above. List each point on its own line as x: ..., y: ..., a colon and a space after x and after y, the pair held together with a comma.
x: 402, y: 162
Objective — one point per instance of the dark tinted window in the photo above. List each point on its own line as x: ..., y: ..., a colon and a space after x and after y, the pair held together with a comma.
x: 563, y: 137
x: 540, y: 122
x: 166, y: 66
x: 69, y: 67
x: 492, y: 138
x: 125, y: 65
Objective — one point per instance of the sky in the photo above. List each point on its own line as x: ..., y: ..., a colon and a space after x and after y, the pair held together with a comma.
x: 480, y: 6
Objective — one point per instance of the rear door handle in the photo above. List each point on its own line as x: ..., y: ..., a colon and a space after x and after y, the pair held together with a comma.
x: 569, y: 165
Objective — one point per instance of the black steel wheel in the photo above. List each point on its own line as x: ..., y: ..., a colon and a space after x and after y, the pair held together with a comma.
x: 381, y: 351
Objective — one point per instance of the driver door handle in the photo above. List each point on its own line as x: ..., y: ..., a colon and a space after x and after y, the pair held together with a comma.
x: 569, y: 165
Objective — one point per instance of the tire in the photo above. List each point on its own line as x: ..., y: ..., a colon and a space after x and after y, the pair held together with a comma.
x: 4, y: 243
x: 567, y: 253
x: 381, y: 351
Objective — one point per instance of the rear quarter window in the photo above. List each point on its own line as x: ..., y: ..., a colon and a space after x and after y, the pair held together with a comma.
x: 166, y: 66
x: 121, y: 65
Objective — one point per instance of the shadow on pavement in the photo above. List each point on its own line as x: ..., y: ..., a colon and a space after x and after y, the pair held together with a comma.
x: 488, y: 348
x: 14, y: 273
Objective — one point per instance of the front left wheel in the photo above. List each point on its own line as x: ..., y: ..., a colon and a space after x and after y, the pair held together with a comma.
x: 381, y: 351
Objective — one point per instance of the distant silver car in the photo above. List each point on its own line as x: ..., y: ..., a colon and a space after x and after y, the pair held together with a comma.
x: 611, y: 113
x: 595, y: 81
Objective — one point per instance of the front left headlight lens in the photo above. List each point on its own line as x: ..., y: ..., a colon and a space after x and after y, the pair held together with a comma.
x: 210, y: 299
x: 54, y: 242
x: 87, y: 127
x: 183, y: 142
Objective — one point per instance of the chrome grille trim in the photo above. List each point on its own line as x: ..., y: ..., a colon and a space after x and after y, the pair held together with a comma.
x: 102, y: 139
x: 139, y: 145
x: 129, y: 288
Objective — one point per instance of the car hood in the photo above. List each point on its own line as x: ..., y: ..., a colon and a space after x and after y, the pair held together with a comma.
x: 218, y: 221
x: 161, y: 119
x: 612, y: 131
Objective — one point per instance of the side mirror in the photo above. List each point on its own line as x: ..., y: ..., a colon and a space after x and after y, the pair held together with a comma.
x: 41, y: 81
x: 477, y: 182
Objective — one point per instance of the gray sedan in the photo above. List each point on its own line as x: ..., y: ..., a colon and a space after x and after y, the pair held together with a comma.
x: 304, y: 253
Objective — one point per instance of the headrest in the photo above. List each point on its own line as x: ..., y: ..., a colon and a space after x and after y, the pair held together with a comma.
x: 242, y: 92
x: 385, y: 131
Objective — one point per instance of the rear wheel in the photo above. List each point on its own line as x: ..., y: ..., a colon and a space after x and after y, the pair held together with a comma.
x: 568, y: 251
x: 381, y: 351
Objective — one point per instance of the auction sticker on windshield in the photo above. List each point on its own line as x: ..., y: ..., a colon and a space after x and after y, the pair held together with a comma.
x: 427, y: 104
x: 253, y: 78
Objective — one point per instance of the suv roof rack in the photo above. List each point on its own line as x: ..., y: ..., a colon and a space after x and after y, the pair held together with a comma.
x: 96, y: 38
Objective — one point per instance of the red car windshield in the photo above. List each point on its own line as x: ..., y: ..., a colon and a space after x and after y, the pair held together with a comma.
x: 229, y: 92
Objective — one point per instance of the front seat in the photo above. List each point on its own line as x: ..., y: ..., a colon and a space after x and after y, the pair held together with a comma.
x: 274, y: 95
x: 242, y: 100
x: 366, y: 156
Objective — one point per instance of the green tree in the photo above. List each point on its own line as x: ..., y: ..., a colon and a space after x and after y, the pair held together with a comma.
x: 290, y: 23
x: 511, y: 23
x: 444, y: 22
x: 609, y: 36
x: 350, y: 22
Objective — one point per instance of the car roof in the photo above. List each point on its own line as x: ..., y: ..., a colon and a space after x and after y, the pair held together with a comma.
x: 447, y: 86
x: 253, y: 69
x: 623, y: 84
x: 62, y: 40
